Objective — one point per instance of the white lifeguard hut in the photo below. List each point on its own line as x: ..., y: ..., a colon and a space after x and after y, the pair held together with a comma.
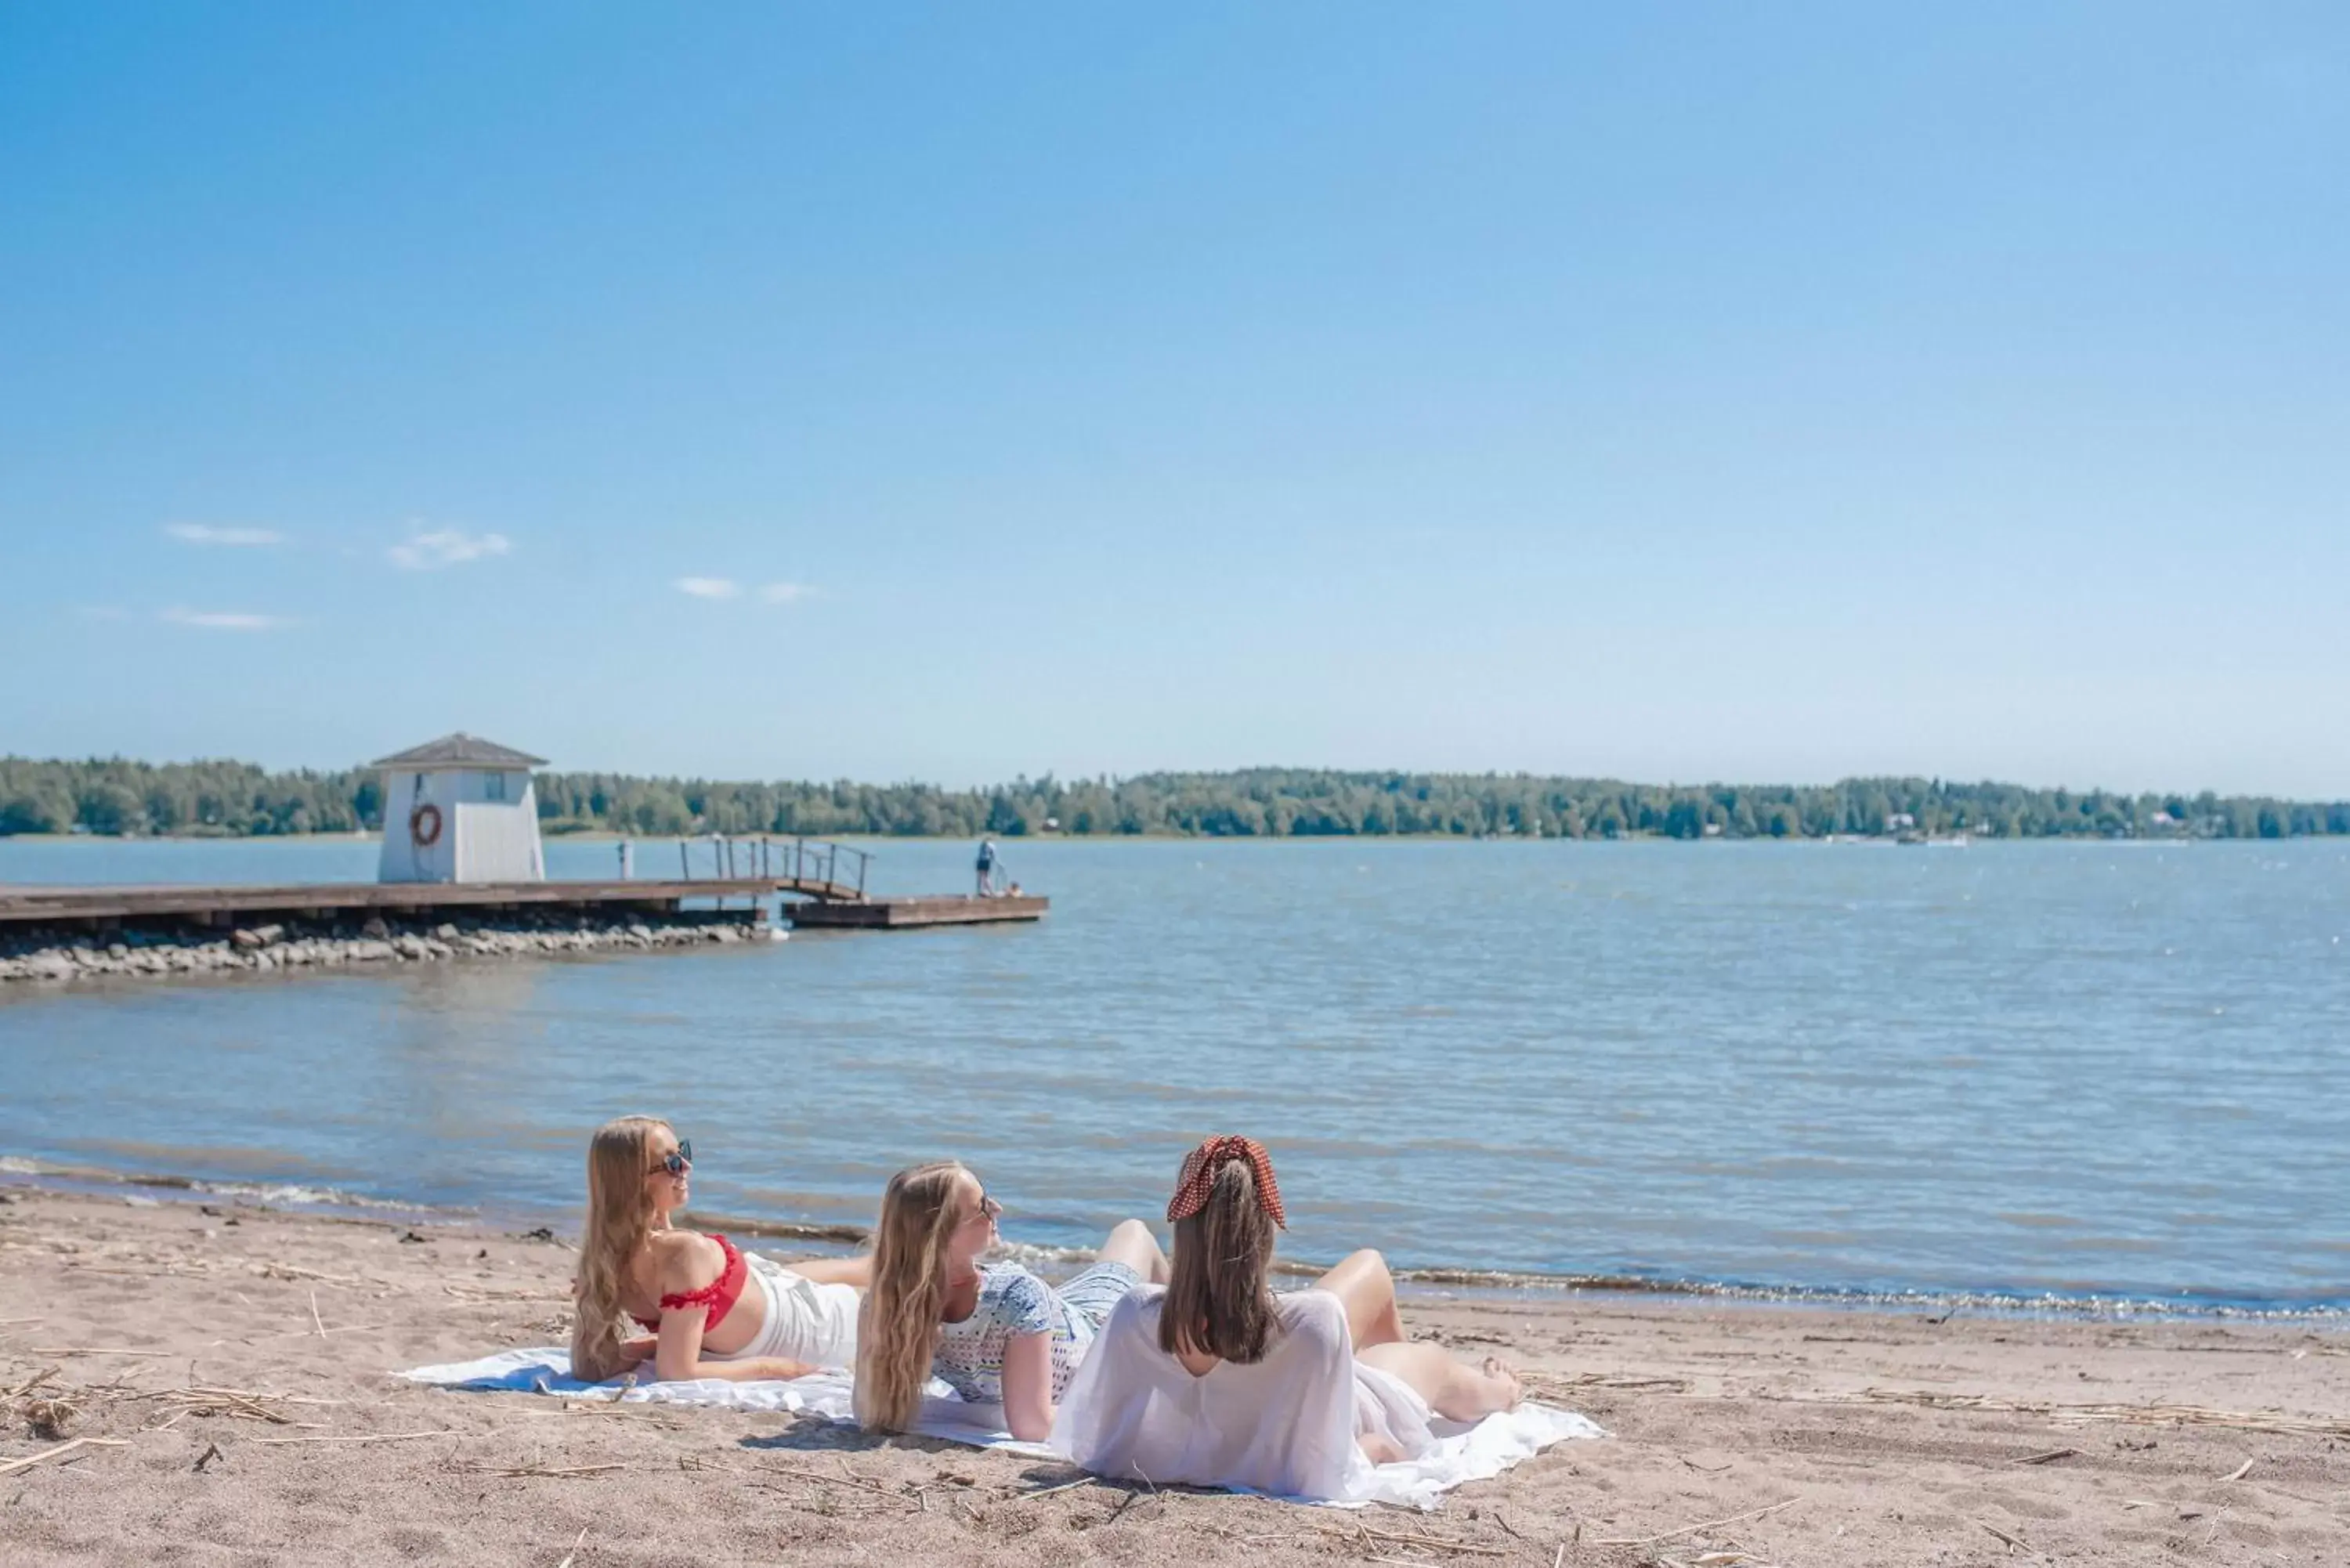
x: 460, y: 809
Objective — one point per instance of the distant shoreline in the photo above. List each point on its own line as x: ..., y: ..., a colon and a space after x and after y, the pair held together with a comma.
x: 109, y: 796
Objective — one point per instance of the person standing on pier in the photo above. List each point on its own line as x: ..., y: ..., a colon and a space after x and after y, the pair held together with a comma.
x: 987, y: 867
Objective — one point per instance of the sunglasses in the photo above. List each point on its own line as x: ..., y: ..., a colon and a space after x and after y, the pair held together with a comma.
x: 677, y: 1159
x: 987, y: 1206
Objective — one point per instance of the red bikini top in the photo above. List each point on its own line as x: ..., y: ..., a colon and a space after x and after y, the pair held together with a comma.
x: 718, y: 1296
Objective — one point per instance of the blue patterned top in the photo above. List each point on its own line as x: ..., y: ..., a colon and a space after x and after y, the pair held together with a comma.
x: 1012, y: 1301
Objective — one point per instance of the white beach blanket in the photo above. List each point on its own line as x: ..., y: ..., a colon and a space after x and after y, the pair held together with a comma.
x: 824, y: 1395
x: 1462, y: 1453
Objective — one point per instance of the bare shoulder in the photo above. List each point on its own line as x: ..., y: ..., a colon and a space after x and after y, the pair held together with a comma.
x: 684, y: 1260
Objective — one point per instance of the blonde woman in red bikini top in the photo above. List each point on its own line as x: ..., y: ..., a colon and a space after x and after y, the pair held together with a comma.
x: 704, y: 1308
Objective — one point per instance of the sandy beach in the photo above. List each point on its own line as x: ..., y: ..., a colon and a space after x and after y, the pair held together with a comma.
x: 224, y: 1369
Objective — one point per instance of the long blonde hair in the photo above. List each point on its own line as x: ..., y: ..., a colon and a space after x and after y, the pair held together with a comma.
x: 1219, y: 1293
x: 619, y: 1217
x: 898, y: 1328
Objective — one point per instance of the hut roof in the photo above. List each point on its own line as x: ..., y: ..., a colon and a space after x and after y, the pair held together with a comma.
x: 460, y: 750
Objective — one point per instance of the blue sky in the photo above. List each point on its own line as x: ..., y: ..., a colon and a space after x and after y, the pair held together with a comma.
x: 1678, y: 392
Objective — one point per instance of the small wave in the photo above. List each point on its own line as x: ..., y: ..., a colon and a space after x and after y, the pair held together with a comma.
x: 272, y: 1194
x: 2085, y: 1304
x: 783, y: 1229
x: 298, y: 1195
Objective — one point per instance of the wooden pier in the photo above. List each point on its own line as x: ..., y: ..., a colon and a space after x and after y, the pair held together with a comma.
x: 827, y: 879
x: 236, y: 905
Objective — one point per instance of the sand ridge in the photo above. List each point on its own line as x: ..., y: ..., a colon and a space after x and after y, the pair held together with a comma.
x: 225, y: 1368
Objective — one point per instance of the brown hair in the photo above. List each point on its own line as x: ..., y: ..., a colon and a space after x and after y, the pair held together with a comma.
x: 619, y: 1217
x: 1218, y: 1298
x: 898, y: 1328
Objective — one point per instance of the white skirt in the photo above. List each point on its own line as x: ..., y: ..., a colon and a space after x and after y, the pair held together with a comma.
x: 806, y: 1320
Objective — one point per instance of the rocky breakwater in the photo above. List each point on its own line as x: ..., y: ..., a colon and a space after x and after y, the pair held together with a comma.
x: 53, y: 955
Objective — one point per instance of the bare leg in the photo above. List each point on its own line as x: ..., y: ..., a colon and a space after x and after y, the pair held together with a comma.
x: 1363, y: 1283
x: 1455, y: 1390
x: 856, y: 1271
x: 1130, y: 1242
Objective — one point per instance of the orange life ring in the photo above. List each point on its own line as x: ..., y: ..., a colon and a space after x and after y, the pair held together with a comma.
x: 424, y: 826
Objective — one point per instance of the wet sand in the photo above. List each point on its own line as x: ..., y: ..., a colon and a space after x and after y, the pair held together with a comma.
x: 228, y: 1366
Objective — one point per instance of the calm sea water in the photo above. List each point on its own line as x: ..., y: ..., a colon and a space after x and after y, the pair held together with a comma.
x: 2054, y: 1067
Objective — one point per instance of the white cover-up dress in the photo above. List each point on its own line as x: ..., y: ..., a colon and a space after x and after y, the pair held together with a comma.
x: 1286, y: 1425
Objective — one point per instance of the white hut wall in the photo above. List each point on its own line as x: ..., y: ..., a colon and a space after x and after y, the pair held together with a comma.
x: 488, y: 826
x: 498, y: 841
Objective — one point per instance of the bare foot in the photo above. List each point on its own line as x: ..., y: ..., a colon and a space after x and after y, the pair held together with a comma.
x: 1501, y: 1370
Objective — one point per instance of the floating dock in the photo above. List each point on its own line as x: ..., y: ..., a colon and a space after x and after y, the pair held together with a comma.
x: 906, y: 914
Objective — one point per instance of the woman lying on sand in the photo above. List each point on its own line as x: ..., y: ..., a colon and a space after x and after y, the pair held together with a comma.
x: 710, y: 1310
x: 996, y: 1332
x: 1216, y: 1381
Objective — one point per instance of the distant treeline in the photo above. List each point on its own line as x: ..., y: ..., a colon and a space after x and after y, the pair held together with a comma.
x: 114, y: 796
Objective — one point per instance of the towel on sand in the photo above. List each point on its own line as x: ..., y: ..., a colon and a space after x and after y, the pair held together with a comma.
x: 1462, y: 1453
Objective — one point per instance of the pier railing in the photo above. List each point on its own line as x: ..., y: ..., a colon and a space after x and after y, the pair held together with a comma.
x: 819, y: 866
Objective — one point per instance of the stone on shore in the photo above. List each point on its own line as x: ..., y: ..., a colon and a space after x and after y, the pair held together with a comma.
x: 51, y: 955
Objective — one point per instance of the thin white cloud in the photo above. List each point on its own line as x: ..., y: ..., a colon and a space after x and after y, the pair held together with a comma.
x: 206, y: 533
x: 708, y: 588
x: 226, y: 620
x: 425, y: 552
x: 786, y: 593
